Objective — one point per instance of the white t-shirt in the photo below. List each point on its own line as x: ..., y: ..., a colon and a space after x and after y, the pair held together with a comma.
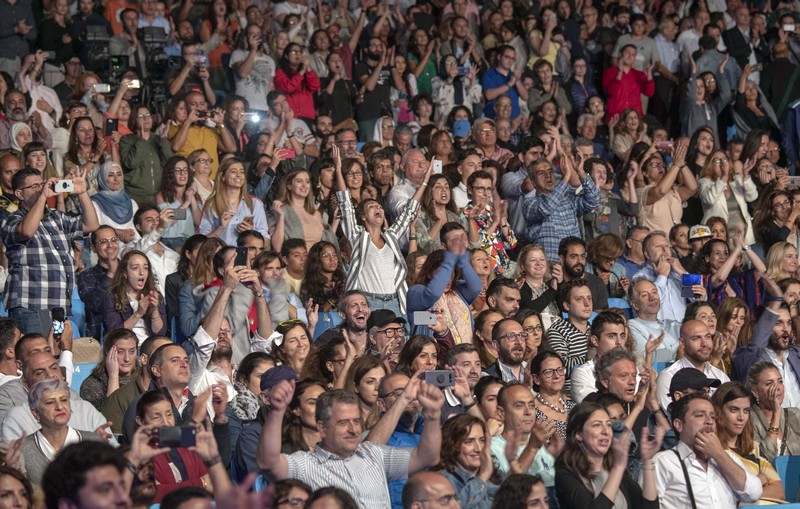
x: 258, y: 83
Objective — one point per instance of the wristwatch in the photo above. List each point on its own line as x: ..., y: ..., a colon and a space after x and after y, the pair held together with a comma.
x: 746, y: 248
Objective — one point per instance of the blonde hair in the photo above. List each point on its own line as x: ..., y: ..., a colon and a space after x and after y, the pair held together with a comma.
x: 519, y: 274
x: 217, y: 200
x: 283, y: 195
x: 775, y: 257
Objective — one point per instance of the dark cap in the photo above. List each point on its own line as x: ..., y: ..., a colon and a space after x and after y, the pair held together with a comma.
x: 271, y: 377
x: 691, y: 378
x: 382, y: 318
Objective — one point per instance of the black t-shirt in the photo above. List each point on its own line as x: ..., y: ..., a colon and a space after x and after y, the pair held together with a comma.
x: 378, y: 100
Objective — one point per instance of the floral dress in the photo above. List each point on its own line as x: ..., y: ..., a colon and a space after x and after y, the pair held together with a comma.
x: 496, y: 244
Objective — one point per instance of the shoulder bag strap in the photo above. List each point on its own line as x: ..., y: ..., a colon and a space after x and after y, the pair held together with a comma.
x: 686, y: 476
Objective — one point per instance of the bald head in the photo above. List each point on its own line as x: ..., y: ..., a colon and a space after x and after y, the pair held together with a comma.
x: 697, y: 341
x: 427, y: 487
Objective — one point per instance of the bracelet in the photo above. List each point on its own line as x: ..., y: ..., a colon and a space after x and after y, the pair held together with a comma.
x: 774, y: 299
x: 213, y: 461
x: 474, y: 402
x: 773, y: 430
x: 133, y: 468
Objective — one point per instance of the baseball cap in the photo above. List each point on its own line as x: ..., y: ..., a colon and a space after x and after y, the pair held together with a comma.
x: 271, y: 377
x: 691, y: 378
x: 699, y: 231
x: 382, y: 318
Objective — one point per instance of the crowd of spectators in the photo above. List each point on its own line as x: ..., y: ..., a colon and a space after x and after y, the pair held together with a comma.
x: 393, y: 254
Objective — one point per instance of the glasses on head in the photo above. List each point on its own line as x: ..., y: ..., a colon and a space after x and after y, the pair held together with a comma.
x: 181, y: 170
x: 549, y: 373
x: 287, y: 323
x: 533, y: 328
x: 482, y: 190
x: 292, y: 502
x: 36, y: 187
x: 515, y: 336
x: 394, y: 332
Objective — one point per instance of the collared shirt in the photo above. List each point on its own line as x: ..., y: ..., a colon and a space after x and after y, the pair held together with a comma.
x: 665, y: 378
x: 472, y: 491
x: 642, y: 329
x: 511, y: 185
x: 668, y: 53
x: 158, y: 21
x: 543, y: 463
x: 41, y: 271
x: 673, y: 304
x: 554, y: 216
x: 791, y: 392
x: 631, y: 267
x: 583, y: 381
x: 709, y: 485
x: 570, y: 343
x: 460, y: 196
x: 363, y: 475
x: 506, y: 372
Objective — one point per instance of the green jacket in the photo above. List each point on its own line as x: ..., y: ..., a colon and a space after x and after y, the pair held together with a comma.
x: 142, y: 163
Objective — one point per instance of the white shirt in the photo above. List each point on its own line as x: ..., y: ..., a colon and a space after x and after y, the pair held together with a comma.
x: 201, y: 376
x: 583, y: 381
x: 162, y: 266
x: 673, y: 304
x: 459, y: 196
x: 791, y: 388
x: 665, y: 378
x: 7, y: 378
x: 398, y: 197
x: 709, y: 486
x: 641, y: 330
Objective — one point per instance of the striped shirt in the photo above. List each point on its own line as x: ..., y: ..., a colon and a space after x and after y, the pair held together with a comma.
x: 364, y: 475
x: 360, y: 239
x: 570, y: 343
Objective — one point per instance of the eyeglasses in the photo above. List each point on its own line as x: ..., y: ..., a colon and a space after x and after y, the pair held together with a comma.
x: 293, y: 502
x: 394, y: 394
x: 656, y: 165
x: 37, y: 187
x: 393, y: 333
x: 720, y: 160
x: 203, y: 161
x: 295, y: 52
x: 483, y: 190
x: 542, y: 173
x: 354, y: 173
x: 781, y: 205
x: 148, y: 115
x: 387, y: 126
x: 709, y: 80
x: 181, y: 170
x: 515, y: 336
x: 327, y: 256
x: 549, y: 373
x: 103, y: 242
x: 486, y: 131
x: 532, y: 329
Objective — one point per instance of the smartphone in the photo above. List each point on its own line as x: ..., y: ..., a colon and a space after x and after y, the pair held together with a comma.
x: 241, y: 257
x: 440, y: 378
x: 59, y: 317
x: 64, y: 186
x: 111, y: 125
x: 788, y: 29
x: 180, y: 214
x: 287, y: 153
x: 116, y: 63
x: 200, y: 61
x: 254, y: 117
x: 175, y: 436
x: 102, y: 88
x: 437, y: 166
x: 424, y: 318
x: 756, y: 68
x: 687, y: 281
x: 794, y: 181
x: 248, y: 219
x: 205, y: 114
x: 665, y: 146
x: 50, y: 55
x: 135, y: 84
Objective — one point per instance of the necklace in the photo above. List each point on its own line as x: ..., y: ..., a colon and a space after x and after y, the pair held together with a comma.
x: 551, y: 406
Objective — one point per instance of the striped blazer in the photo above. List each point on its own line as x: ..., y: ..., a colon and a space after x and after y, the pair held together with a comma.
x: 360, y: 239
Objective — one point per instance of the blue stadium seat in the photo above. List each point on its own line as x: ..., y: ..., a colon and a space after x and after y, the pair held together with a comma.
x: 661, y: 366
x: 788, y: 468
x: 81, y: 372
x: 78, y: 316
x: 622, y: 304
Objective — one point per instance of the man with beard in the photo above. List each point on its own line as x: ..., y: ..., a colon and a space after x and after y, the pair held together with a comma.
x: 15, y: 110
x: 354, y: 309
x: 569, y: 337
x: 697, y: 342
x: 717, y: 478
x: 773, y: 341
x: 517, y: 185
x: 572, y: 256
x: 503, y: 296
x: 509, y: 339
x: 9, y: 166
x: 347, y: 141
x: 644, y: 298
x: 666, y: 272
x: 551, y: 214
x: 93, y: 283
x: 381, y: 169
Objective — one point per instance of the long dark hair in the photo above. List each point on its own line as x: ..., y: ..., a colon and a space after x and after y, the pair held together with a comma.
x: 454, y: 432
x: 119, y: 285
x: 72, y: 150
x: 691, y: 153
x: 315, y: 367
x: 168, y: 182
x: 515, y: 490
x: 283, y: 63
x: 189, y: 245
x: 315, y: 284
x: 574, y: 455
x: 292, y: 424
x: 410, y: 350
x: 765, y: 215
x: 427, y: 197
x: 703, y: 265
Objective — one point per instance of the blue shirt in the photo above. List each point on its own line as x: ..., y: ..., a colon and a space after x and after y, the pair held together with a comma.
x: 631, y: 267
x: 493, y: 79
x: 403, y: 437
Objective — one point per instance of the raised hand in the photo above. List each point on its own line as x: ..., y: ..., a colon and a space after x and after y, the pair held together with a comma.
x: 653, y: 343
x: 430, y: 397
x: 647, y: 447
x: 281, y: 395
x: 112, y: 362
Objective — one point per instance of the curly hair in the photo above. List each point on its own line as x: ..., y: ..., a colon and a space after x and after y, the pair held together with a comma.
x: 315, y: 286
x: 168, y: 181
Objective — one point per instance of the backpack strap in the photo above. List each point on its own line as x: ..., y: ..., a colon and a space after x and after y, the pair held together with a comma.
x: 686, y: 477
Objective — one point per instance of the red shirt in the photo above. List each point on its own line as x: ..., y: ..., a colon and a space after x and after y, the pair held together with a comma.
x: 625, y: 92
x: 299, y: 89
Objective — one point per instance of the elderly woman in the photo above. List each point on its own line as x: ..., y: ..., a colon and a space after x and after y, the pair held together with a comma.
x: 50, y: 405
x: 20, y: 135
x: 118, y: 365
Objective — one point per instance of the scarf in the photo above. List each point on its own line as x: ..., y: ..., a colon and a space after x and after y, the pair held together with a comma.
x: 245, y: 404
x: 15, y: 130
x: 117, y: 205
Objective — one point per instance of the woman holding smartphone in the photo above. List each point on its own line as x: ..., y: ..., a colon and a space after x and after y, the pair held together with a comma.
x: 178, y: 192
